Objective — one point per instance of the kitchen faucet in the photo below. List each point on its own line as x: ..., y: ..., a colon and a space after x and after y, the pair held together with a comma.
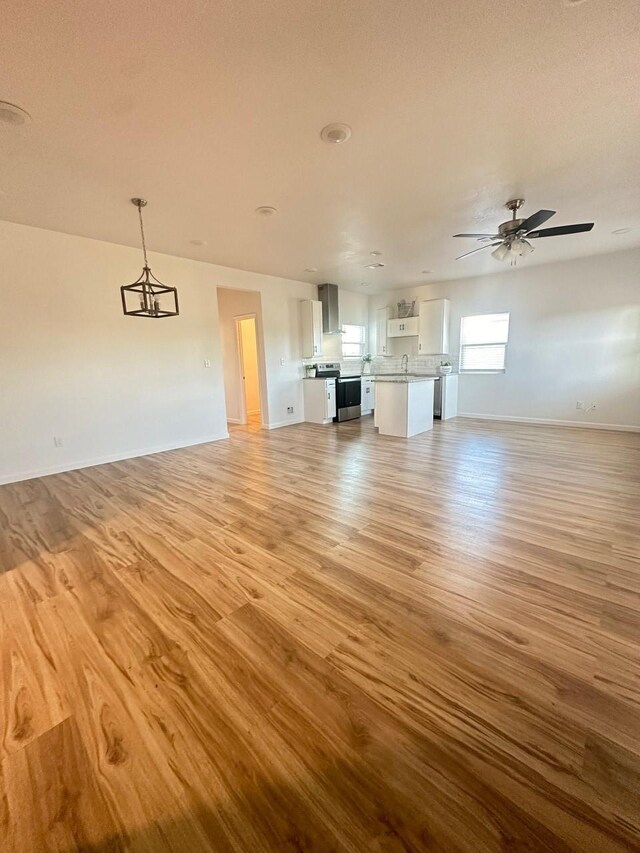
x: 405, y: 363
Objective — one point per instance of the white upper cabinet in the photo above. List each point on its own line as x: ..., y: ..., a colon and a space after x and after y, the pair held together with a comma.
x: 382, y: 319
x: 311, y: 326
x: 402, y: 328
x: 433, y: 327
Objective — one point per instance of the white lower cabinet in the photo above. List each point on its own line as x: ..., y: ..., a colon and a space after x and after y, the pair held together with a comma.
x: 368, y: 400
x: 319, y: 400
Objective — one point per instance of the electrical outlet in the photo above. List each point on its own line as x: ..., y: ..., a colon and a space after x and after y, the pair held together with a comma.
x: 580, y: 405
x: 57, y: 441
x: 289, y: 410
x: 207, y: 362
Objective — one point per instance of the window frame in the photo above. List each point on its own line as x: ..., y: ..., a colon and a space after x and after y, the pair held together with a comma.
x: 504, y: 344
x: 362, y: 342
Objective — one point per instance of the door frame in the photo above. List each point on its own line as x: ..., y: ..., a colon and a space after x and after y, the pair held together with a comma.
x: 238, y: 318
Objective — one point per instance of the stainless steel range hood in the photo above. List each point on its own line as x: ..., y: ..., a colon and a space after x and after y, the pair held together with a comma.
x: 328, y: 295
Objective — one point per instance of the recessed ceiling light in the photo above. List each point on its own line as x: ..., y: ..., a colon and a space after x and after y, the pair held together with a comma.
x: 266, y: 210
x: 12, y: 114
x: 336, y: 133
x: 198, y: 242
x: 621, y: 231
x: 311, y: 269
x: 375, y: 254
x: 364, y: 284
x: 375, y: 266
x: 426, y: 272
x: 574, y: 2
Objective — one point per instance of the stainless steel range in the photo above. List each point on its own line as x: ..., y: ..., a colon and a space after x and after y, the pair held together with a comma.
x: 348, y: 391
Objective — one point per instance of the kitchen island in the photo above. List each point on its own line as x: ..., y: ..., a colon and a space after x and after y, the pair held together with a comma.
x: 404, y: 405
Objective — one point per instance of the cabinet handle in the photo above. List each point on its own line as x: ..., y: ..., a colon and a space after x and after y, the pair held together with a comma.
x: 419, y: 346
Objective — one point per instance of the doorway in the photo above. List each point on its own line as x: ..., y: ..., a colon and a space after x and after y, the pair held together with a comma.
x: 251, y: 410
x: 243, y: 357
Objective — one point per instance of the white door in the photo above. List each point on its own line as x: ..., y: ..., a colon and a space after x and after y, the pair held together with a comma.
x: 317, y: 327
x: 382, y: 319
x: 367, y: 396
x: 311, y: 327
x: 433, y: 327
x: 330, y: 393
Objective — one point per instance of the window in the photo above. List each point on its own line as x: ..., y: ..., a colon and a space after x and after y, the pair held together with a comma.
x: 483, y: 343
x: 353, y: 341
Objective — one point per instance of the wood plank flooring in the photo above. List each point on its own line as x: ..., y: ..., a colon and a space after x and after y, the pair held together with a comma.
x: 321, y: 639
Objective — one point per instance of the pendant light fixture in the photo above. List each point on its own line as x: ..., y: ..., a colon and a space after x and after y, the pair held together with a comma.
x: 148, y: 297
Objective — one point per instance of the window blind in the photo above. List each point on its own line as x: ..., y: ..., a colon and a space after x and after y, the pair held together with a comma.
x: 483, y: 342
x: 353, y: 341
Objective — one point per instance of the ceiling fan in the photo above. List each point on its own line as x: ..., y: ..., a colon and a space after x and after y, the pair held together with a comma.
x: 512, y: 239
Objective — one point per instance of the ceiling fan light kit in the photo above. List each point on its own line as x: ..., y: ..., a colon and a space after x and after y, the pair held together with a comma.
x: 142, y: 298
x: 501, y: 253
x: 512, y: 239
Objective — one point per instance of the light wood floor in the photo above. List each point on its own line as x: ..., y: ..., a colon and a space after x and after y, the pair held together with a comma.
x: 320, y: 639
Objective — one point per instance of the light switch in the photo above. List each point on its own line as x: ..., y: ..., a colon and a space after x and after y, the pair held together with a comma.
x: 207, y: 362
x: 282, y: 362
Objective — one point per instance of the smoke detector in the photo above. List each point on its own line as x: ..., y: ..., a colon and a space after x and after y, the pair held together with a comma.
x: 266, y: 210
x: 336, y: 133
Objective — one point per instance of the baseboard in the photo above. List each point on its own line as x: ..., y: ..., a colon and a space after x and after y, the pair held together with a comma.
x: 551, y: 422
x: 19, y: 476
x: 283, y: 424
x: 234, y: 421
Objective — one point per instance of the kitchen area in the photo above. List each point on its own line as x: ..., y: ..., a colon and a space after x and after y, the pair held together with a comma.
x: 404, y: 393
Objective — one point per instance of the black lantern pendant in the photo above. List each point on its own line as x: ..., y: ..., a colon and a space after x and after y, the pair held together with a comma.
x: 143, y: 297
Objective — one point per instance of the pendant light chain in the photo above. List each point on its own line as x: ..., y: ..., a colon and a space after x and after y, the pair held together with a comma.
x: 144, y: 245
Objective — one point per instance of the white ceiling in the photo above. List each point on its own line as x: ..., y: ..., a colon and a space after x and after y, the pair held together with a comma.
x: 210, y: 108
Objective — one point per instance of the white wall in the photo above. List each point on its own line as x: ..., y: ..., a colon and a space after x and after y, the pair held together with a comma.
x: 72, y: 365
x: 574, y: 335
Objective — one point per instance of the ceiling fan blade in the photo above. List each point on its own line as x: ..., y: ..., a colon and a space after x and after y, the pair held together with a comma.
x: 478, y: 236
x: 486, y: 246
x: 560, y: 229
x: 536, y: 220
